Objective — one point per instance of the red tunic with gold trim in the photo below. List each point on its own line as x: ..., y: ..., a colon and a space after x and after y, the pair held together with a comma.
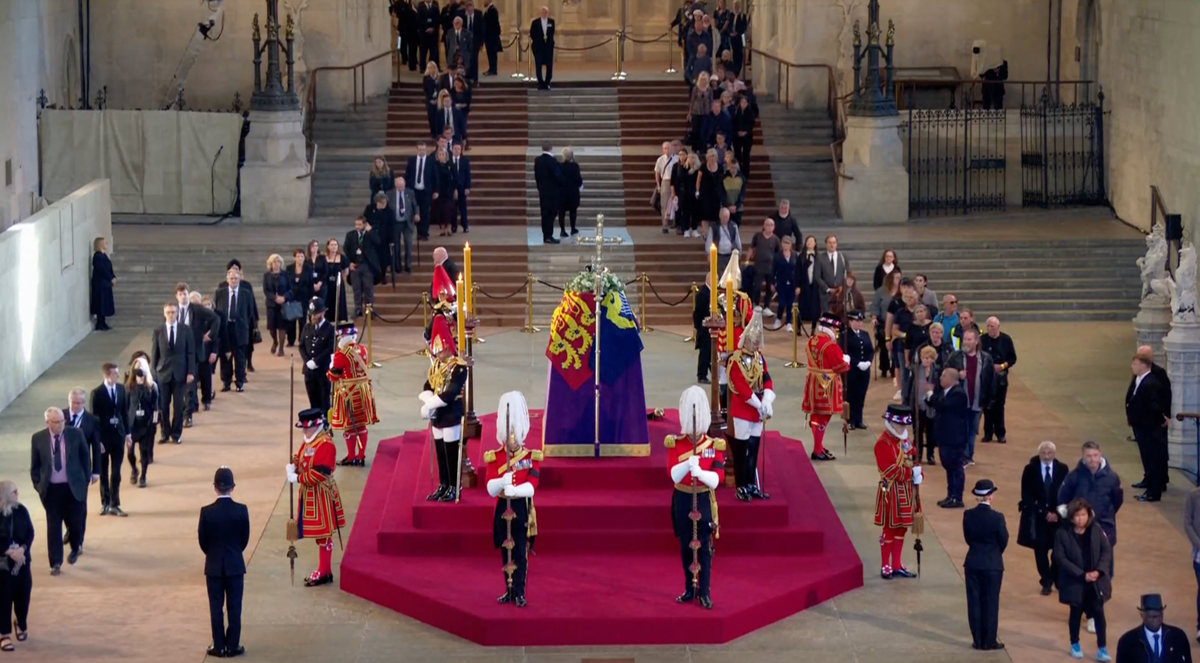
x: 348, y: 375
x: 712, y: 459
x: 525, y: 468
x: 320, y: 504
x: 822, y: 386
x: 747, y: 376
x: 743, y: 309
x: 896, y: 500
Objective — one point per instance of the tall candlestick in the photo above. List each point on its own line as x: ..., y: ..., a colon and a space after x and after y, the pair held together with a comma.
x: 729, y: 315
x: 470, y: 294
x: 712, y: 279
x: 462, y: 319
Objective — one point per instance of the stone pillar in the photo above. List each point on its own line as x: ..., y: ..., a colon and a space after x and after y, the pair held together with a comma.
x: 275, y: 157
x: 1151, y: 324
x: 874, y: 157
x: 1182, y: 347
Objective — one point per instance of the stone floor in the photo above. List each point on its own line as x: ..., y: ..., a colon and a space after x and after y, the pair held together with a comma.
x: 138, y: 593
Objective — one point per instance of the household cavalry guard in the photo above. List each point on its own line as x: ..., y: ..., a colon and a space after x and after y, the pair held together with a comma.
x: 353, y: 407
x: 743, y: 310
x: 896, y: 500
x: 751, y: 399
x: 320, y: 506
x: 696, y: 463
x: 442, y: 405
x: 823, y: 384
x: 512, y: 478
x: 443, y: 296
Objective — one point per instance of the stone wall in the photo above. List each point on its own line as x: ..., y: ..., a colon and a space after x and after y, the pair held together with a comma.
x: 45, y: 267
x: 37, y: 52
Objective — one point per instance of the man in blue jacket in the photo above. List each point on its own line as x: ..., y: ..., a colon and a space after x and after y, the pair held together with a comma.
x: 1094, y: 480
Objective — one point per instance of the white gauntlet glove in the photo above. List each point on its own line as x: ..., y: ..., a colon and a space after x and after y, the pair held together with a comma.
x: 507, y: 479
x: 864, y: 365
x: 917, y: 475
x: 693, y: 464
x: 312, y: 365
x: 510, y: 490
x: 846, y: 358
x: 291, y: 473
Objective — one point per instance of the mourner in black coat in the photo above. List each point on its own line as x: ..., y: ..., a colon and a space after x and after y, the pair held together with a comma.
x: 1082, y: 560
x: 572, y: 186
x: 491, y: 34
x: 362, y: 248
x: 1039, y: 517
x: 1153, y: 641
x: 547, y: 173
x: 950, y: 426
x: 110, y: 405
x: 206, y: 337
x: 224, y: 533
x: 541, y: 37
x: 1148, y: 412
x: 237, y: 305
x: 103, y: 280
x: 173, y: 359
x: 700, y: 311
x: 986, y: 536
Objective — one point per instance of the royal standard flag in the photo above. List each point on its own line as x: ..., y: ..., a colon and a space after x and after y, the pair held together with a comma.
x: 620, y: 341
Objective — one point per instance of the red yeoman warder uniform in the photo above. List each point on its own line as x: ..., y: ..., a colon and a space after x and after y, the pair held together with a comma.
x: 351, y: 387
x: 751, y: 401
x: 512, y: 478
x: 320, y: 506
x: 822, y: 385
x: 743, y: 311
x: 896, y: 499
x: 696, y: 470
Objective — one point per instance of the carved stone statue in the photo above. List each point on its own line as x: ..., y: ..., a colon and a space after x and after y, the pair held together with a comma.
x: 1153, y: 266
x: 295, y: 9
x: 1183, y: 287
x: 845, y: 71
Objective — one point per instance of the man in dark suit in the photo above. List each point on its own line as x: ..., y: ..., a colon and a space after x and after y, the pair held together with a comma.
x: 831, y: 271
x: 422, y: 176
x: 406, y: 28
x: 173, y: 358
x: 203, y: 324
x: 473, y: 23
x: 492, y: 34
x: 316, y: 349
x: 548, y: 174
x: 224, y: 534
x: 700, y: 310
x: 1154, y: 641
x: 60, y: 469
x: 78, y: 417
x: 1040, y: 483
x: 949, y: 401
x: 450, y: 123
x: 231, y: 300
x: 361, y: 247
x: 247, y: 290
x: 986, y: 536
x: 110, y: 406
x: 1148, y: 413
x: 427, y: 25
x: 404, y: 206
x: 541, y: 35
x: 458, y: 44
x: 461, y: 166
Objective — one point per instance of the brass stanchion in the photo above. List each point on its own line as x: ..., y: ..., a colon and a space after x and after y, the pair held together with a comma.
x: 368, y: 313
x: 695, y: 288
x: 795, y: 362
x: 675, y: 38
x: 517, y: 73
x: 619, y: 40
x: 475, y: 311
x: 646, y: 328
x: 529, y: 328
x: 424, y: 352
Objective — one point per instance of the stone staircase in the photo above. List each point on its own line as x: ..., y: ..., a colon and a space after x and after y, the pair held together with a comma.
x: 574, y: 115
x: 797, y: 142
x: 603, y: 187
x: 146, y: 277
x: 498, y: 116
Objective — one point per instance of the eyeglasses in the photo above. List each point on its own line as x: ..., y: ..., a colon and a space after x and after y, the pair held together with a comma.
x: 953, y: 301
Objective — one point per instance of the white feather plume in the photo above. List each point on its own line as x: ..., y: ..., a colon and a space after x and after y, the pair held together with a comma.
x: 513, y: 412
x: 694, y: 400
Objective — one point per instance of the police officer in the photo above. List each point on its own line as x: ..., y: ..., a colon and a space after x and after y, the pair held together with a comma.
x: 858, y: 346
x: 224, y: 535
x: 316, y: 349
x: 987, y: 537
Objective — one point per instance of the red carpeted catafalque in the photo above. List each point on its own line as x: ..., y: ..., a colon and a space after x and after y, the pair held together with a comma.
x: 606, y: 567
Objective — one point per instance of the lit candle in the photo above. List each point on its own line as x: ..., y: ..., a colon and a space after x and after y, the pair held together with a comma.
x: 729, y: 315
x: 712, y: 279
x: 462, y: 319
x: 470, y: 294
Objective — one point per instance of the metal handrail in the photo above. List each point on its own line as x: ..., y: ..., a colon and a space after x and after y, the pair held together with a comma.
x: 360, y: 83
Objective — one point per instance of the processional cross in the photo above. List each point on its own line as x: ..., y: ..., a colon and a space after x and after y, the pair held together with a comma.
x: 598, y: 272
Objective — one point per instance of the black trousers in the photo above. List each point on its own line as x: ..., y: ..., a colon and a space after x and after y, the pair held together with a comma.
x: 1046, y: 569
x: 1094, y: 609
x: 14, y: 597
x: 143, y: 444
x: 926, y: 442
x: 952, y: 458
x: 544, y: 61
x: 1152, y: 445
x: 62, y: 509
x: 741, y: 152
x: 233, y: 364
x: 885, y: 357
x: 362, y: 279
x: 705, y: 559
x: 317, y: 387
x: 549, y: 211
x: 856, y: 388
x: 402, y: 237
x: 462, y: 212
x: 492, y: 52
x: 424, y: 199
x: 704, y: 354
x: 681, y: 506
x: 110, y: 472
x: 204, y: 376
x: 983, y: 605
x: 564, y: 214
x: 428, y: 48
x: 408, y: 51
x: 225, y: 592
x: 520, y: 535
x: 171, y: 395
x: 993, y: 417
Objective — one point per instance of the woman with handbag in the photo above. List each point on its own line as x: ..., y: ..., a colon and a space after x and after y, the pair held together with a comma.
x: 1082, y: 554
x: 16, y: 581
x: 143, y: 412
x: 277, y: 291
x: 302, y: 275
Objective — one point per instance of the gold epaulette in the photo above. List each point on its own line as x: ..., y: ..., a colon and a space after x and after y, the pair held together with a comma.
x: 669, y: 442
x: 536, y: 455
x: 489, y: 456
x: 719, y: 443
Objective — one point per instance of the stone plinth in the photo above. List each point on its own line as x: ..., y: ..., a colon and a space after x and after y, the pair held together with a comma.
x: 876, y: 188
x: 275, y: 157
x: 1151, y: 324
x: 1182, y: 347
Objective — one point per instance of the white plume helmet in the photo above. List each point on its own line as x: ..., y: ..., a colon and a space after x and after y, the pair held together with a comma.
x: 513, y: 414
x: 752, y: 336
x: 733, y: 271
x: 693, y: 407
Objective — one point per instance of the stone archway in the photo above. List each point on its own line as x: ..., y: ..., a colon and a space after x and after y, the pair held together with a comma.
x: 1087, y: 33
x: 69, y: 85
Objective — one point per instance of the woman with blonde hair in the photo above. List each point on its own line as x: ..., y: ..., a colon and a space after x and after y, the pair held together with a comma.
x: 277, y: 290
x: 708, y: 194
x: 572, y: 185
x: 103, y: 280
x: 697, y: 108
x: 382, y: 178
x: 16, y: 581
x: 430, y: 85
x: 446, y: 206
x: 143, y: 398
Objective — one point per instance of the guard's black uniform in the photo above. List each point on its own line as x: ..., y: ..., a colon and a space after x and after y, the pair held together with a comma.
x: 451, y: 374
x: 859, y: 347
x: 700, y: 311
x: 987, y: 537
x: 712, y: 459
x: 317, y: 343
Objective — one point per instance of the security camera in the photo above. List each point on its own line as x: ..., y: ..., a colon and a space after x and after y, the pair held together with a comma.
x: 205, y: 27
